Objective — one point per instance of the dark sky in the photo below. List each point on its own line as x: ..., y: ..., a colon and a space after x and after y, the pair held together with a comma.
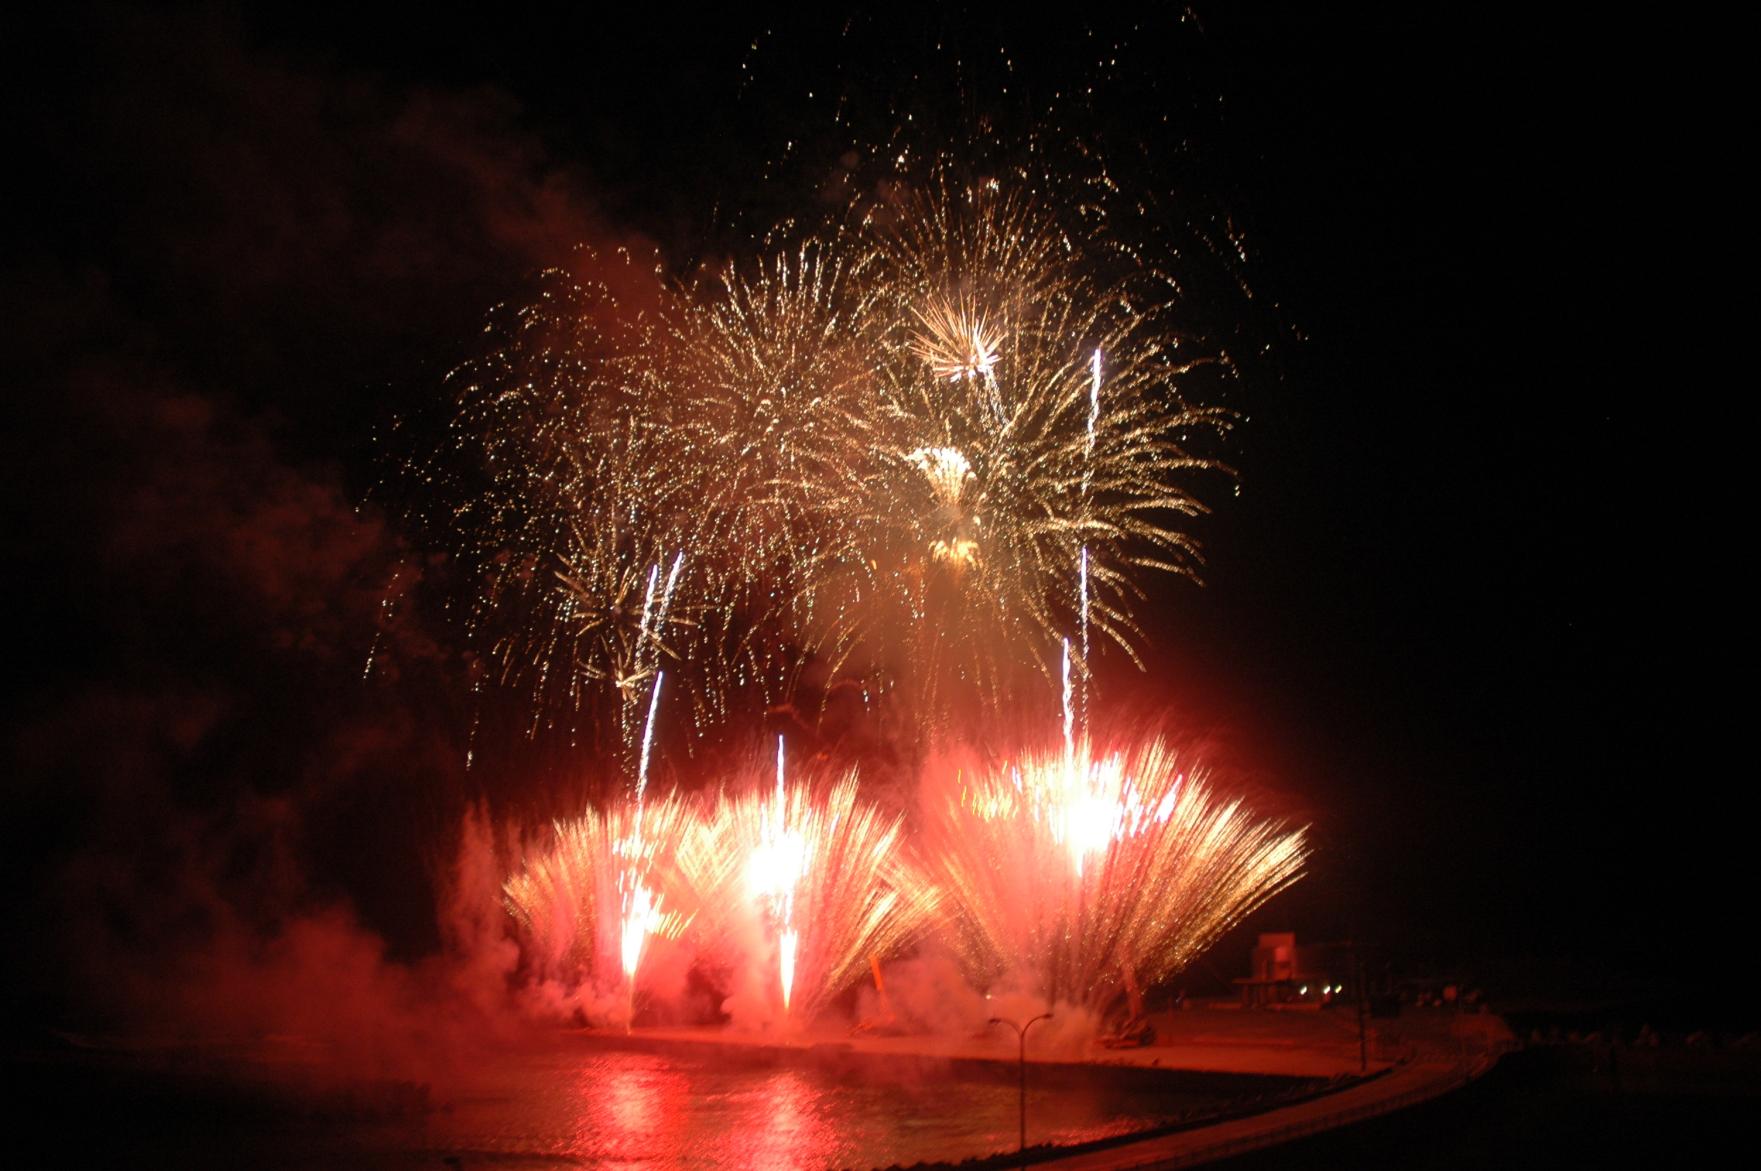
x: 1456, y: 614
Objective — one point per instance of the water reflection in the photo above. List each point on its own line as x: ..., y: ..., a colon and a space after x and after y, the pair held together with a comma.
x: 795, y: 1134
x: 579, y: 1104
x: 628, y: 1111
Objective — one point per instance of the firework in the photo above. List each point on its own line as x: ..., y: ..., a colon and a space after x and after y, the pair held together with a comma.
x: 773, y: 362
x: 1069, y: 480
x: 585, y: 906
x: 928, y: 444
x: 953, y: 477
x: 891, y: 446
x: 575, y: 522
x: 1074, y: 873
x: 956, y: 342
x: 824, y: 876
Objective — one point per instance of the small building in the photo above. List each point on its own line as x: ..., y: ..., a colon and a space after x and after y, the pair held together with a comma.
x: 1281, y: 973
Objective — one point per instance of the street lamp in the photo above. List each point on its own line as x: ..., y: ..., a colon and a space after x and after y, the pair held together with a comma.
x: 1021, y: 1035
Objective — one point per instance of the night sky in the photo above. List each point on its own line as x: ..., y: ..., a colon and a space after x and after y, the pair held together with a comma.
x: 1460, y: 616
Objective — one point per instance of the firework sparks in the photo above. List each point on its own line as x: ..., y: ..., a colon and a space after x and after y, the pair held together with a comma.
x: 642, y: 915
x: 876, y: 447
x: 997, y: 505
x: 641, y: 907
x: 949, y: 473
x: 956, y: 343
x: 897, y: 424
x: 777, y: 866
x: 571, y: 509
x: 827, y: 875
x: 1070, y: 869
x: 585, y: 906
x: 1070, y: 873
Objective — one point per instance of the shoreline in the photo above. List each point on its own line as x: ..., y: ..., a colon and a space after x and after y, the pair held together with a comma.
x: 1418, y: 1059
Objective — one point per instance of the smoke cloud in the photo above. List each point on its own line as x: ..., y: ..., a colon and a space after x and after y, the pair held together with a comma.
x: 243, y: 263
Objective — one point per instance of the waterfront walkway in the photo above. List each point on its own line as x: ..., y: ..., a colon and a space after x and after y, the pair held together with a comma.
x: 1433, y: 1055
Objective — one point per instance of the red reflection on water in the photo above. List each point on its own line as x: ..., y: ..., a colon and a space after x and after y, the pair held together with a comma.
x: 795, y: 1134
x: 643, y: 1112
x: 635, y: 1109
x: 601, y: 1107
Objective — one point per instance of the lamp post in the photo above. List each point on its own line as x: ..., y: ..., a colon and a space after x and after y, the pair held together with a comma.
x: 1021, y: 1036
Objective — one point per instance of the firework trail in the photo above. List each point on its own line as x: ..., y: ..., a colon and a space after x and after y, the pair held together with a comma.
x: 641, y: 908
x: 1072, y: 873
x: 1094, y: 415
